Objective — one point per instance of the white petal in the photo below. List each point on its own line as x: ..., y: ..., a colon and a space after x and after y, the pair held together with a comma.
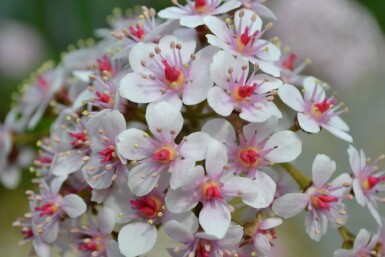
x: 73, y: 205
x: 113, y: 249
x: 262, y: 10
x: 261, y: 244
x: 269, y: 83
x: 316, y: 228
x: 106, y: 220
x: 264, y: 112
x: 68, y: 163
x: 322, y: 169
x: 139, y: 90
x: 267, y: 66
x: 227, y: 6
x: 141, y: 52
x: 362, y: 240
x: 188, y: 47
x: 373, y: 210
x: 290, y: 205
x: 261, y: 131
x: 221, y: 130
x: 359, y: 195
x: 134, y: 144
x: 272, y: 52
x: 307, y: 123
x: 196, y: 91
x: 177, y: 232
x: 215, y: 41
x: 266, y: 190
x: 338, y: 133
x: 289, y: 147
x: 195, y: 146
x: 180, y: 170
x: 215, y: 219
x: 143, y: 178
x: 191, y: 21
x: 338, y: 123
x: 164, y: 120
x: 221, y: 102
x: 310, y: 84
x: 270, y: 223
x: 218, y: 27
x: 248, y: 15
x: 222, y: 62
x: 137, y: 238
x: 291, y: 96
x: 172, y: 13
x: 241, y: 187
x: 216, y: 159
x: 354, y: 159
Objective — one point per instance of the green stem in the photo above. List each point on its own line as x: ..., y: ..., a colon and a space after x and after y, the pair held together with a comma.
x: 302, y: 180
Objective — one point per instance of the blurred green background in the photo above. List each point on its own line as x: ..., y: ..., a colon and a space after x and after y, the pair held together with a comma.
x: 47, y: 27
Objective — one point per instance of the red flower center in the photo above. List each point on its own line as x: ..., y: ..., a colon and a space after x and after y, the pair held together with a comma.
x: 174, y: 78
x: 210, y: 191
x: 371, y: 182
x: 323, y: 201
x: 48, y: 209
x: 104, y: 64
x: 288, y: 63
x: 243, y: 91
x: 325, y: 105
x: 200, y: 6
x: 148, y: 206
x: 164, y: 154
x: 109, y: 154
x: 79, y: 138
x: 137, y: 31
x: 249, y: 157
x: 246, y: 39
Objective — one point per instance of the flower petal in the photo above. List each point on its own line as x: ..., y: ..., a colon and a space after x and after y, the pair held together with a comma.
x: 177, y: 232
x: 195, y: 146
x: 266, y: 190
x: 134, y: 144
x: 143, y: 178
x: 164, y: 121
x: 322, y: 169
x: 137, y: 238
x: 290, y: 205
x: 338, y: 133
x: 73, y: 205
x: 221, y: 102
x: 307, y: 123
x: 201, y: 82
x: 291, y: 96
x: 289, y: 147
x: 106, y: 220
x: 216, y: 159
x: 218, y: 27
x: 215, y: 218
x: 138, y: 89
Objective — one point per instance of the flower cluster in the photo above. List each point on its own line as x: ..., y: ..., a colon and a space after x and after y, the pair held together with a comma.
x: 174, y: 123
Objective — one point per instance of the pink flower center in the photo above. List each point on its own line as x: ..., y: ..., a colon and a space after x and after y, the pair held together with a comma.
x: 174, y: 78
x: 270, y: 235
x: 104, y: 98
x: 104, y: 65
x: 137, y: 31
x: 42, y: 83
x: 148, y: 206
x: 48, y: 209
x: 249, y: 157
x: 203, y: 250
x: 27, y: 233
x: 246, y: 39
x: 109, y: 154
x: 45, y: 160
x: 92, y: 244
x: 243, y: 91
x: 288, y: 63
x: 323, y: 201
x: 200, y: 6
x: 371, y: 182
x: 323, y: 106
x: 80, y: 138
x: 164, y: 154
x: 210, y: 191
